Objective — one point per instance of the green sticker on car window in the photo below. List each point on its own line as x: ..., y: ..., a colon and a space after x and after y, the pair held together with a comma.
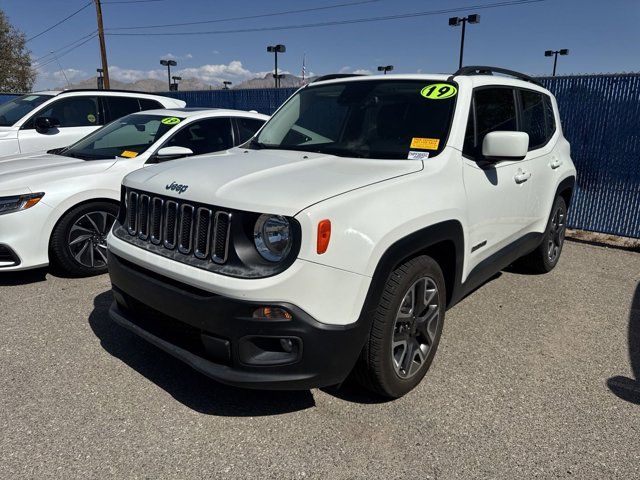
x: 170, y: 121
x: 438, y: 91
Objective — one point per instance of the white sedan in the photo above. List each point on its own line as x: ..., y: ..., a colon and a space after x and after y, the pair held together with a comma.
x: 58, y: 206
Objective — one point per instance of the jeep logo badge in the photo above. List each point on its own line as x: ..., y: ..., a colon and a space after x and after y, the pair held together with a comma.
x: 176, y: 187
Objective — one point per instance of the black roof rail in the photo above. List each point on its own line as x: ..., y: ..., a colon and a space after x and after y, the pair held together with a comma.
x: 333, y: 76
x: 486, y: 70
x: 108, y: 90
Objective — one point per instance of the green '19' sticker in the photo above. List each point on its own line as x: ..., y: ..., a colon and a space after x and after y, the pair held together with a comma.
x: 171, y: 121
x: 438, y: 91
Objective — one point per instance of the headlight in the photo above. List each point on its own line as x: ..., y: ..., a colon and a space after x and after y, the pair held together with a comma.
x: 272, y: 237
x: 19, y: 202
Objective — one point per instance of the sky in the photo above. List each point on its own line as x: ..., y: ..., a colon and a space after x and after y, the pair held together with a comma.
x: 601, y: 37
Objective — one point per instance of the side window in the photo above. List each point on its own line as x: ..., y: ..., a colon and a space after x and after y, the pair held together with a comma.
x: 247, y: 127
x: 73, y: 112
x: 204, y: 136
x: 495, y: 109
x: 148, y: 104
x: 118, y: 107
x: 533, y: 118
x: 550, y: 119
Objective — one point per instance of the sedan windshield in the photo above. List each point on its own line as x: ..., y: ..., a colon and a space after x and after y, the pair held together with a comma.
x: 126, y: 137
x: 14, y: 110
x: 383, y: 119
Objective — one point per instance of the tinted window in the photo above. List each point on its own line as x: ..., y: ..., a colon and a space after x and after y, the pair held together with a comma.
x: 148, y: 104
x: 533, y: 118
x: 247, y: 127
x: 204, y: 136
x: 370, y: 119
x: 17, y: 108
x: 119, y: 107
x: 495, y: 110
x: 550, y: 120
x: 74, y: 112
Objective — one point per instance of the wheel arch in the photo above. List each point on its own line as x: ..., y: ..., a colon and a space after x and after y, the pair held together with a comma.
x: 565, y: 190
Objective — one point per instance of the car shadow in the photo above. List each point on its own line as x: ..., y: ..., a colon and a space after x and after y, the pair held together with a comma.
x: 629, y: 388
x: 183, y: 383
x: 23, y: 277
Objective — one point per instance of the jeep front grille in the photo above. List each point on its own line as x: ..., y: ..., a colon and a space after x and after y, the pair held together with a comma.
x: 199, y: 231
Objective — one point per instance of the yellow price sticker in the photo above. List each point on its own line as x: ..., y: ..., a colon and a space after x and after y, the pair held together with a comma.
x: 129, y: 154
x: 425, y: 143
x: 439, y: 91
x: 171, y: 121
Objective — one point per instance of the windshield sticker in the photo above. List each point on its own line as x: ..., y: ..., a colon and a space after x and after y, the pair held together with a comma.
x: 91, y: 118
x: 425, y: 143
x: 170, y: 121
x: 417, y: 155
x: 438, y: 91
x: 129, y: 154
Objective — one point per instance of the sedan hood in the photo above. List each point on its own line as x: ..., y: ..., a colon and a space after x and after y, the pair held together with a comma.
x: 270, y: 181
x: 36, y: 170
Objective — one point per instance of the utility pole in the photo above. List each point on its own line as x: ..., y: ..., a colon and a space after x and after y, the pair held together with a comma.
x: 103, y: 47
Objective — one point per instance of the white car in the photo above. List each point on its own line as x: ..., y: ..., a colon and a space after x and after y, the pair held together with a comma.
x: 59, y: 206
x: 338, y: 236
x: 45, y: 120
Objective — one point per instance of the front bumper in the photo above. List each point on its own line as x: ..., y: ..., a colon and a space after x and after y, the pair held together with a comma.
x: 24, y: 235
x: 218, y: 336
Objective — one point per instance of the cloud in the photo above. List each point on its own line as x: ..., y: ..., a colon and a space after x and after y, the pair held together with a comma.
x: 189, y: 56
x: 357, y: 71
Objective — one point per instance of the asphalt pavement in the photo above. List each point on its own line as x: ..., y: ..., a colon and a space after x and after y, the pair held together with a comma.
x: 536, y: 376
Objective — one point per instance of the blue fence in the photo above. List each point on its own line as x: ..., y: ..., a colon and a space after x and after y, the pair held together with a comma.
x: 600, y: 117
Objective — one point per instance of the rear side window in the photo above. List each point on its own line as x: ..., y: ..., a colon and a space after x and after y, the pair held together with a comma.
x: 148, y: 104
x: 533, y: 118
x: 247, y: 128
x: 550, y: 118
x: 118, y: 107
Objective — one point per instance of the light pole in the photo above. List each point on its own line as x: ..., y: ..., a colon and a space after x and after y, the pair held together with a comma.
x: 225, y: 84
x: 169, y: 64
x: 174, y: 85
x: 455, y: 21
x: 276, y: 49
x: 100, y: 79
x: 554, y: 53
x: 385, y: 68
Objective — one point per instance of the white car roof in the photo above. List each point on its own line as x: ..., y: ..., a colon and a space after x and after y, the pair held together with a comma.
x: 195, y: 113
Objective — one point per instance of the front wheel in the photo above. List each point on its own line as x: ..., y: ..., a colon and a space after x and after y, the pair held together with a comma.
x: 79, y: 241
x: 406, y: 329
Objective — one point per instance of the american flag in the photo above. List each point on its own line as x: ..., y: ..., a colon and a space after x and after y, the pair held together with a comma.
x: 304, y: 67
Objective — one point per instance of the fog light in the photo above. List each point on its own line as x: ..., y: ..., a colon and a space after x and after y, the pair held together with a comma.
x: 286, y: 344
x: 272, y: 313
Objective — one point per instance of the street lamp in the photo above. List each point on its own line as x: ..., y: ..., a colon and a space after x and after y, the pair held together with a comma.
x: 225, y: 84
x: 169, y: 64
x: 455, y: 21
x: 100, y: 79
x: 385, y: 68
x: 554, y: 53
x: 276, y: 49
x: 174, y: 85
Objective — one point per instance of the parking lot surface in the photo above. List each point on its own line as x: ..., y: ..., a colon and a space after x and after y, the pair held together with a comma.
x: 536, y: 376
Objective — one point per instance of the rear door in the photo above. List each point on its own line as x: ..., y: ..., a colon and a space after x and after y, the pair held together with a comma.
x: 78, y: 116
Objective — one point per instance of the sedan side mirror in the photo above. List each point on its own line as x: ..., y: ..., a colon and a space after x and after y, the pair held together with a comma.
x: 500, y: 145
x: 170, y: 153
x: 44, y: 124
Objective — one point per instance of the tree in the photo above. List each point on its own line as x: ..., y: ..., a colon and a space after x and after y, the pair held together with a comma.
x: 16, y: 72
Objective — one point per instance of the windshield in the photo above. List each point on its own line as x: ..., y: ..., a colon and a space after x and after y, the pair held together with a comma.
x: 126, y: 137
x: 384, y: 119
x: 14, y: 110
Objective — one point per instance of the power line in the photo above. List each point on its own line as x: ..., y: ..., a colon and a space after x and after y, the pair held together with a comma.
x: 65, y: 46
x: 339, y: 22
x: 51, y: 60
x: 58, y: 23
x: 286, y: 12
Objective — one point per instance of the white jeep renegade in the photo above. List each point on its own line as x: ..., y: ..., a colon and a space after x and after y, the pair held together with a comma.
x: 334, y: 240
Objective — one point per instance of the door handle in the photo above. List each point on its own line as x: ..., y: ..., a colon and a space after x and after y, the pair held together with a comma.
x: 522, y: 177
x: 555, y: 163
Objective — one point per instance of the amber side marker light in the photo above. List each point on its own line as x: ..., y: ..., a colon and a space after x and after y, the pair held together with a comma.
x: 324, y: 236
x: 272, y: 313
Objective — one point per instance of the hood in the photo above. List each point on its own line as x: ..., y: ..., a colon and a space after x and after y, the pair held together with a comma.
x: 36, y: 170
x: 270, y: 181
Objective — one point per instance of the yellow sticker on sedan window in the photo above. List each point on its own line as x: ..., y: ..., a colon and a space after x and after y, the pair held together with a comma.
x: 129, y: 154
x: 438, y: 91
x: 425, y: 143
x: 170, y: 121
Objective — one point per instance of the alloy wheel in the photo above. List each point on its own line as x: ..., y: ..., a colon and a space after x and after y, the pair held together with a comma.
x: 87, y: 240
x: 556, y: 234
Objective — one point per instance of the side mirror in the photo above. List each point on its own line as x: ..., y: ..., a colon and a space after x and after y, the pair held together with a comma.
x: 500, y: 145
x: 44, y: 124
x: 169, y: 153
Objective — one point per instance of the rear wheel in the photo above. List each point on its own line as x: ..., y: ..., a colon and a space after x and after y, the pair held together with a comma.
x: 544, y: 258
x: 79, y: 241
x: 406, y: 329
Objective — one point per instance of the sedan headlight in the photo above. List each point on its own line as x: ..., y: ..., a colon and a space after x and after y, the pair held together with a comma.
x: 272, y: 237
x: 19, y: 202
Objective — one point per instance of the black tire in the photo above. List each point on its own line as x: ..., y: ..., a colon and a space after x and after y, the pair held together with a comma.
x: 546, y: 256
x: 377, y: 368
x: 91, y: 220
